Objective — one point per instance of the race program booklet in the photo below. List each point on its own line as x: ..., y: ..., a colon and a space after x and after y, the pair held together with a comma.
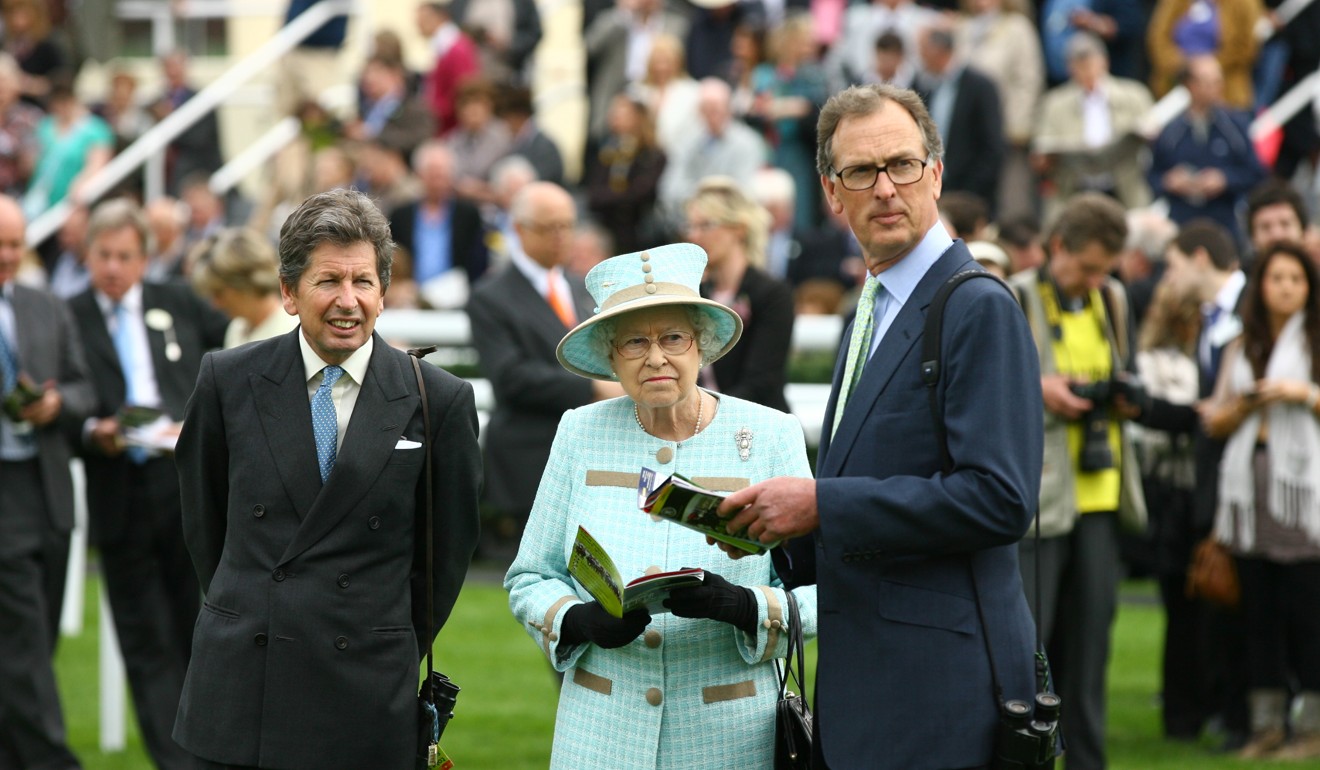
x: 593, y: 568
x: 680, y: 500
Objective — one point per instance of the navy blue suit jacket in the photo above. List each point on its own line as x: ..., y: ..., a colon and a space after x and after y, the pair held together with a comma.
x: 903, y: 679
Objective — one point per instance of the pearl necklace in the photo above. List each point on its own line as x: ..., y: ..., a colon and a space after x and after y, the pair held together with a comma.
x: 701, y: 402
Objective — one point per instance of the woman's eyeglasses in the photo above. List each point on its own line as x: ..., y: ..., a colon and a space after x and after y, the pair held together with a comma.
x: 671, y: 343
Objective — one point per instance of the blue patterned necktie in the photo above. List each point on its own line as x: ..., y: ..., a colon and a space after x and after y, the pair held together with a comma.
x: 325, y: 423
x: 859, y: 347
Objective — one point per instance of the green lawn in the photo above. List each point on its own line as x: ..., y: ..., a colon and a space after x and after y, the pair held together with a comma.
x: 505, y: 713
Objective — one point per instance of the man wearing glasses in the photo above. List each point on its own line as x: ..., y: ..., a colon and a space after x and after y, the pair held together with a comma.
x: 916, y: 563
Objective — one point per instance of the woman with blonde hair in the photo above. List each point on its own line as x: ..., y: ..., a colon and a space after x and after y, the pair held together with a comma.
x: 670, y: 93
x: 733, y: 230
x: 238, y: 271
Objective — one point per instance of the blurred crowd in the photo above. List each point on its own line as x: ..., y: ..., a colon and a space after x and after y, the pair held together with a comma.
x: 701, y: 127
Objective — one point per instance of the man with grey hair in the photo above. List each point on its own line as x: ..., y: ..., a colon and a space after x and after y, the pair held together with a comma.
x: 721, y: 146
x: 1141, y: 265
x: 302, y: 469
x: 144, y: 344
x: 523, y: 311
x: 912, y: 542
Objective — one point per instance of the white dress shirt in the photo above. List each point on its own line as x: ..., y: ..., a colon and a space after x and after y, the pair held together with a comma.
x: 344, y: 393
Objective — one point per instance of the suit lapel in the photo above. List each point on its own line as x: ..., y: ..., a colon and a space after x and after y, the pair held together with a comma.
x: 27, y: 327
x: 384, y: 406
x: 893, y: 350
x: 96, y: 335
x: 280, y: 393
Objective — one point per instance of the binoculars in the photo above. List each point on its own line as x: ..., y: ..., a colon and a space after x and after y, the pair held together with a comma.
x: 1026, y: 740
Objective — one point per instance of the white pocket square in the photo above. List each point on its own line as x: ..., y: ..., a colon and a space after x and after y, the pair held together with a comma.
x: 406, y: 444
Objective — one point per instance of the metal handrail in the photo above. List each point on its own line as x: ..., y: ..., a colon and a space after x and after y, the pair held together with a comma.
x: 159, y: 136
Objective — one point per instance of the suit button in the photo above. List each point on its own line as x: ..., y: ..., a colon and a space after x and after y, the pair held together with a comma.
x: 260, y: 639
x: 343, y: 581
x: 374, y: 522
x: 258, y: 510
x: 278, y: 575
x: 341, y: 642
x: 652, y: 639
x: 654, y: 697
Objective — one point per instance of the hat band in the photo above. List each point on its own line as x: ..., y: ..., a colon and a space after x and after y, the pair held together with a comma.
x: 642, y: 291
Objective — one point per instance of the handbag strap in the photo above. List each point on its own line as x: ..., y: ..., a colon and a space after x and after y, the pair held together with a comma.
x: 416, y: 355
x: 795, y: 647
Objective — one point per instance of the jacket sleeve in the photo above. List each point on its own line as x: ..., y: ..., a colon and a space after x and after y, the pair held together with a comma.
x: 202, y: 458
x: 77, y: 397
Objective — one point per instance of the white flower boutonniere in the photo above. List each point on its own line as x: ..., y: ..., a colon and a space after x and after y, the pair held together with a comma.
x: 160, y: 320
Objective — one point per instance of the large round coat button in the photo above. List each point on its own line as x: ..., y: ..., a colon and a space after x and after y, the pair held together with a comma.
x: 260, y: 640
x: 341, y: 642
x: 652, y: 639
x: 654, y: 697
x: 258, y: 510
x: 663, y: 455
x: 278, y: 575
x: 343, y: 581
x: 374, y: 522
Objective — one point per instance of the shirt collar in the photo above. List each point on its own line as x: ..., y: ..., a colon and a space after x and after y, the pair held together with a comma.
x: 1228, y: 294
x: 132, y: 301
x: 355, y: 366
x: 530, y: 268
x: 7, y: 289
x: 902, y: 279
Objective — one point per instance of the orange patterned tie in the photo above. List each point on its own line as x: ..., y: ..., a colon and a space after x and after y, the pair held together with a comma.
x: 558, y: 302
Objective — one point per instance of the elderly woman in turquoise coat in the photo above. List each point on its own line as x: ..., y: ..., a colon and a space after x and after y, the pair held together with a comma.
x: 693, y: 687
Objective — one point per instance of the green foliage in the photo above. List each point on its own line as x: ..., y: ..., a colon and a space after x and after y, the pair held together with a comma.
x: 505, y: 714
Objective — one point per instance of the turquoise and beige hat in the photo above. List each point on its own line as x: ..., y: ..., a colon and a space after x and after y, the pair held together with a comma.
x: 666, y: 275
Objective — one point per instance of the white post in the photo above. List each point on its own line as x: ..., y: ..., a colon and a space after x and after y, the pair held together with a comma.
x: 112, y: 683
x: 75, y: 580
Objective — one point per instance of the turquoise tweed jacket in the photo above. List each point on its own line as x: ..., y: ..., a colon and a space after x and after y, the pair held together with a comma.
x: 689, y: 692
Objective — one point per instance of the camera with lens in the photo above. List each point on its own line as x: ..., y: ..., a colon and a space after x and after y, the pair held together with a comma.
x: 1027, y: 740
x: 1096, y: 454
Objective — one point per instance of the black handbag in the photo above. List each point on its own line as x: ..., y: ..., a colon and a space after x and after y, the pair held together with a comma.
x: 792, y: 716
x: 437, y: 695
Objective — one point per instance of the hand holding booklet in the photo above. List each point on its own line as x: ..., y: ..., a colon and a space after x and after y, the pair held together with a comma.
x: 591, y: 566
x: 690, y: 505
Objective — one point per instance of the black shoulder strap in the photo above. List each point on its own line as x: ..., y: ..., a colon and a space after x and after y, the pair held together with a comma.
x: 416, y: 355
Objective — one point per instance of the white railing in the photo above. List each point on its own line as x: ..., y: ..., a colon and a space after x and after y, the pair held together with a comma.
x: 154, y: 141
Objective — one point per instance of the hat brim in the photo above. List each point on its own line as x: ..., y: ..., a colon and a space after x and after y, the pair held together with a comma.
x: 577, y: 354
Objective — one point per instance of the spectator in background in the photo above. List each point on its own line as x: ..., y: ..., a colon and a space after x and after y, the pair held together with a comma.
x: 206, y: 211
x: 1183, y: 30
x: 1021, y: 238
x: 670, y: 94
x: 964, y: 215
x: 965, y: 106
x: 332, y: 169
x: 721, y: 146
x: 238, y: 272
x: 1290, y: 56
x: 1203, y: 162
x: 478, y: 140
x: 1267, y: 406
x: 383, y: 169
x: 1086, y: 135
x: 27, y: 37
x: 1276, y: 212
x: 506, y: 34
x: 732, y: 230
x: 73, y: 145
x: 167, y: 219
x: 128, y: 119
x: 313, y: 66
x: 853, y: 55
x: 18, y: 131
x: 787, y: 94
x: 1141, y: 267
x: 775, y: 191
x: 197, y: 149
x: 1080, y: 320
x: 892, y: 66
x: 747, y: 49
x: 440, y: 236
x: 989, y: 255
x: 618, y: 44
x: 389, y: 113
x: 623, y: 179
x: 999, y: 40
x: 711, y: 36
x: 1119, y: 23
x: 513, y: 105
x: 454, y: 58
x: 68, y: 275
x: 591, y: 246
x: 507, y: 178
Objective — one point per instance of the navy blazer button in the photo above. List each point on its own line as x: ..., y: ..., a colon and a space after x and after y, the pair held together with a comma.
x: 278, y: 575
x: 260, y: 639
x: 374, y: 522
x: 343, y: 581
x: 341, y: 642
x: 258, y: 510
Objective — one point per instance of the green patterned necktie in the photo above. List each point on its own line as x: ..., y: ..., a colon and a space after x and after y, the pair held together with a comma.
x: 859, y: 346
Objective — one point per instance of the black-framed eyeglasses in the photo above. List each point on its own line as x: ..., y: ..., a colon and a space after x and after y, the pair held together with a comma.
x: 671, y: 343
x: 863, y: 177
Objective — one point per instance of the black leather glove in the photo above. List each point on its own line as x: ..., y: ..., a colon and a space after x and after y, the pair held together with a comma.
x: 591, y: 623
x: 717, y: 599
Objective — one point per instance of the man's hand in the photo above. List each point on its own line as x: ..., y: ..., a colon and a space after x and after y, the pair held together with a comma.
x: 106, y: 437
x: 1211, y: 182
x: 1060, y: 399
x: 773, y: 510
x: 44, y: 410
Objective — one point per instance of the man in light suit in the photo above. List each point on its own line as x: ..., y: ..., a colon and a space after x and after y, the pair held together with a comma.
x: 302, y: 465
x: 520, y: 315
x: 903, y: 551
x: 144, y: 344
x: 39, y: 344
